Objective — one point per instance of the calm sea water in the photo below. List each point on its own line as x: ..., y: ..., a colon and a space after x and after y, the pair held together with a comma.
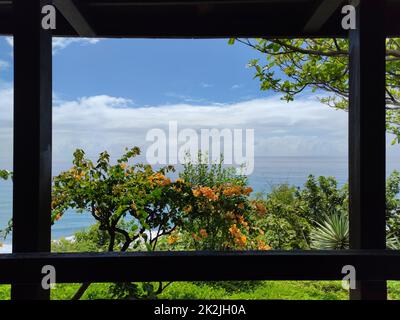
x: 269, y: 171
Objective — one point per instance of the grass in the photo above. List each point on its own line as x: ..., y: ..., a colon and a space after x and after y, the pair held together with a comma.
x: 276, y: 290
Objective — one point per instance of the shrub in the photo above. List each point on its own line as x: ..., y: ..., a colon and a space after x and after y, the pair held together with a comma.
x: 221, y: 215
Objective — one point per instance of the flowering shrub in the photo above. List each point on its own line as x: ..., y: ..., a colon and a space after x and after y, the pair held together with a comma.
x: 221, y: 216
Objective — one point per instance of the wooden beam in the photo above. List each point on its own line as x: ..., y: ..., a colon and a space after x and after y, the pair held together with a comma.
x: 132, y: 3
x: 200, y: 266
x: 324, y: 11
x: 367, y: 138
x: 32, y: 136
x: 74, y: 17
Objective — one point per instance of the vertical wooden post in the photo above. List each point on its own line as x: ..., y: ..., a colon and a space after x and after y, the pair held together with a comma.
x: 32, y: 137
x: 367, y: 139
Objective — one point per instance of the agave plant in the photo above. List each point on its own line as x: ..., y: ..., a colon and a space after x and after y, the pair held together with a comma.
x: 332, y: 233
x: 393, y: 243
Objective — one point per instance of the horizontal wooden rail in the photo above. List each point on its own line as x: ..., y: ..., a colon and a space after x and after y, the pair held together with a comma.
x: 200, y: 266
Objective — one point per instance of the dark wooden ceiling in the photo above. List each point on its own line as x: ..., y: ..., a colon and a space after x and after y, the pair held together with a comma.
x: 203, y: 18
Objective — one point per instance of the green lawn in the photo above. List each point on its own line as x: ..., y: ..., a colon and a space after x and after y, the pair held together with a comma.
x: 285, y: 290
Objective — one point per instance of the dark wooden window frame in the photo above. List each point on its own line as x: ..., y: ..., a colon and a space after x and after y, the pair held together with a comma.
x: 32, y: 162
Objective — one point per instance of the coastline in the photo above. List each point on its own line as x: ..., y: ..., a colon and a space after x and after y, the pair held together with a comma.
x: 7, y: 247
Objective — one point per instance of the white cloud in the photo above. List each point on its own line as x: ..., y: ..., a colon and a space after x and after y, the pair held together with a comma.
x: 62, y: 43
x: 10, y: 41
x: 300, y: 128
x: 206, y: 85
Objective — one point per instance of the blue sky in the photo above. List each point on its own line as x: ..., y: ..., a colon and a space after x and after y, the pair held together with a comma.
x: 157, y: 72
x: 149, y: 72
x: 109, y: 93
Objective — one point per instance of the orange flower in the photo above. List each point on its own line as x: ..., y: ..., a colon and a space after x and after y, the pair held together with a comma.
x: 232, y: 191
x: 188, y: 209
x: 79, y: 176
x: 197, y: 193
x: 159, y: 179
x: 241, y: 241
x: 209, y: 194
x: 234, y: 230
x: 242, y: 221
x: 262, y: 245
x: 172, y: 239
x: 203, y: 233
x: 260, y: 207
x: 247, y: 191
x: 206, y: 192
x: 166, y: 182
x: 58, y: 217
x: 123, y: 166
x: 239, y: 238
x: 241, y: 206
x: 196, y: 237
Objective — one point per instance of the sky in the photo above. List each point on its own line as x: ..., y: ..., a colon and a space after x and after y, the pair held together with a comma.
x: 108, y: 94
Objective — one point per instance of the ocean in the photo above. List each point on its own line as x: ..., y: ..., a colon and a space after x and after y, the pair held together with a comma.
x: 269, y: 171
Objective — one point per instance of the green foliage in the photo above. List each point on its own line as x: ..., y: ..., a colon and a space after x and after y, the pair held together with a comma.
x: 91, y: 240
x: 332, y: 232
x: 321, y: 197
x: 393, y: 206
x: 291, y: 213
x: 284, y: 225
x: 293, y: 66
x: 392, y: 243
x: 6, y: 231
x: 5, y: 174
x: 201, y: 173
x: 282, y: 290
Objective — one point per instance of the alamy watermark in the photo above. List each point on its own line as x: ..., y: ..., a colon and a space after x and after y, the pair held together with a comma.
x: 349, y: 280
x: 174, y: 146
x: 49, y: 18
x: 49, y: 278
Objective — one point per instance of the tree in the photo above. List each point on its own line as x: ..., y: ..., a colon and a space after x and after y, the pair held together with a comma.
x: 294, y: 66
x: 132, y: 203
